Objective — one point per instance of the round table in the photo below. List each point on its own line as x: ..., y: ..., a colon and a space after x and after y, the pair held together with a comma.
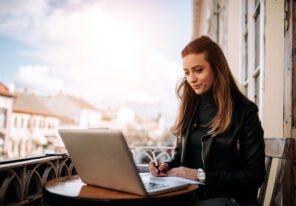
x: 70, y: 190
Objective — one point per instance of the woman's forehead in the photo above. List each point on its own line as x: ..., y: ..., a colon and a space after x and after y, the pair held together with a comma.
x: 194, y: 59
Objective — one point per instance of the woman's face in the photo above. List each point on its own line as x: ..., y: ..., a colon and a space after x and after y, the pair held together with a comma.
x: 198, y: 72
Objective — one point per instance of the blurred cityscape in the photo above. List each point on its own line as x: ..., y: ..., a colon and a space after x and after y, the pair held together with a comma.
x: 29, y: 123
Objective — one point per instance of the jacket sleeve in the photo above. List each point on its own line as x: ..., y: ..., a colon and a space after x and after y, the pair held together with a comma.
x: 250, y: 172
x: 175, y: 161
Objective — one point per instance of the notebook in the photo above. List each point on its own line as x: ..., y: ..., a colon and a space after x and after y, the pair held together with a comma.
x: 102, y: 158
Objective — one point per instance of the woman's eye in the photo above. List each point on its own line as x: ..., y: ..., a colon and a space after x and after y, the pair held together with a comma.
x: 186, y: 73
x: 199, y: 70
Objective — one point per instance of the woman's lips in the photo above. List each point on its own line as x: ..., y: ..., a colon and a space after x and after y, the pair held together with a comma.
x: 196, y: 86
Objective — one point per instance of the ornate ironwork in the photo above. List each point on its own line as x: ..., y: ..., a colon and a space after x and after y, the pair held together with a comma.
x: 143, y: 155
x: 21, y: 181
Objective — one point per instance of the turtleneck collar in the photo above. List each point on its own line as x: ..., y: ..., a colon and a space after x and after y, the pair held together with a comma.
x: 207, y: 99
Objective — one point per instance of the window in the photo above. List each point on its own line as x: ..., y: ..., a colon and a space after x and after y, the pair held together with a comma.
x: 257, y: 87
x: 218, y: 28
x: 245, y: 48
x: 256, y: 71
x: 216, y: 21
x: 22, y: 122
x: 42, y: 124
x: 3, y: 116
x: 252, y: 42
x: 15, y: 122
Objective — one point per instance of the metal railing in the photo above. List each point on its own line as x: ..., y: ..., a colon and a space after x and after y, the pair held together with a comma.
x: 143, y: 155
x: 21, y: 181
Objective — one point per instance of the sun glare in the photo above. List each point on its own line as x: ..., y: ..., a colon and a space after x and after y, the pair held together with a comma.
x: 109, y: 40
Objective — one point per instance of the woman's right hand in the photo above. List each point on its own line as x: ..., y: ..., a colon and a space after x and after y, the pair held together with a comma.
x: 160, y: 171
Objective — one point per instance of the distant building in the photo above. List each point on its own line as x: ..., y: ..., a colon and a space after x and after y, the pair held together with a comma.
x: 125, y: 116
x: 6, y: 102
x: 35, y: 120
x: 32, y: 126
x: 73, y: 111
x: 29, y: 123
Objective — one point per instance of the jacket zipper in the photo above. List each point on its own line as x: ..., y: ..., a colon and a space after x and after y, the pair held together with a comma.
x: 238, y: 147
x: 202, y: 151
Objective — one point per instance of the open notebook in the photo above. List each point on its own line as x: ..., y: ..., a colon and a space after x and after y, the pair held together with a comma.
x: 102, y: 158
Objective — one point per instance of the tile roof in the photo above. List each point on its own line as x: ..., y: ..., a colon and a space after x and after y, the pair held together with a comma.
x: 26, y: 102
x: 4, y: 91
x: 67, y: 105
x: 82, y: 103
x: 66, y: 108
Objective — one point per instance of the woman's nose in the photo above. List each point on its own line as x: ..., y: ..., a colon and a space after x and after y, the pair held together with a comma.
x: 191, y: 78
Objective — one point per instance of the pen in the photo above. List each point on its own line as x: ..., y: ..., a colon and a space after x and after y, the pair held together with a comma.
x: 155, y: 162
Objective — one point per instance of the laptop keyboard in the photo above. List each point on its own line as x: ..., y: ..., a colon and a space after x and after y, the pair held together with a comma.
x: 153, y: 186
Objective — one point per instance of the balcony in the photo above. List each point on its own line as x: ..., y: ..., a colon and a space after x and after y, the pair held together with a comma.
x: 21, y: 181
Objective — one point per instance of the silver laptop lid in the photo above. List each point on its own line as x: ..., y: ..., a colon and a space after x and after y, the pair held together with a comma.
x: 102, y: 158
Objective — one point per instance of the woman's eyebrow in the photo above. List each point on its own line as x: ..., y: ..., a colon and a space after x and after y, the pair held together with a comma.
x: 198, y: 65
x: 193, y: 67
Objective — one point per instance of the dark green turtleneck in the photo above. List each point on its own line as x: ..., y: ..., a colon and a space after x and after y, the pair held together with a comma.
x: 206, y: 111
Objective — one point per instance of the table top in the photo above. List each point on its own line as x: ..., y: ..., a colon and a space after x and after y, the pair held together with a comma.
x: 72, y: 188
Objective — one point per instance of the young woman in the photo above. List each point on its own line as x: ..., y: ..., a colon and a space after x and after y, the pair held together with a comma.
x: 220, y: 137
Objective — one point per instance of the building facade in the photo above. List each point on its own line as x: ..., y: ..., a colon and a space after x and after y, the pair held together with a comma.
x: 252, y: 34
x: 6, y: 104
x: 258, y: 39
x: 32, y: 127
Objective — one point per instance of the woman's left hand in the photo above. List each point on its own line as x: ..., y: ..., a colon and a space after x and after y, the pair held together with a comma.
x: 184, y: 172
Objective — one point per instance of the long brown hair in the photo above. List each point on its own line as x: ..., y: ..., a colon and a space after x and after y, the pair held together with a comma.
x: 223, y: 87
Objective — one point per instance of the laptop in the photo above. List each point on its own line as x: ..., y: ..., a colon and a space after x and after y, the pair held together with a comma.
x: 102, y: 158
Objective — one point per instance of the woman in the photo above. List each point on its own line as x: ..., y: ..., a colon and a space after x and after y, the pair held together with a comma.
x: 220, y: 138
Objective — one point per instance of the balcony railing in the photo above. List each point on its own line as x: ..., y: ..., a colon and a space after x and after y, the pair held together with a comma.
x: 143, y: 155
x: 21, y: 181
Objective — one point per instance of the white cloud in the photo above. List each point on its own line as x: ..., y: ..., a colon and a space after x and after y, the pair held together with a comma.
x: 37, y: 79
x: 19, y: 18
x: 90, y: 51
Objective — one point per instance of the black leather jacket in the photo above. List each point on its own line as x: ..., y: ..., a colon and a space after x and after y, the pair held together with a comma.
x: 234, y: 160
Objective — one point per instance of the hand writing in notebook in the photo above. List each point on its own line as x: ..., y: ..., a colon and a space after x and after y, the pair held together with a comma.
x: 163, y: 170
x: 158, y: 169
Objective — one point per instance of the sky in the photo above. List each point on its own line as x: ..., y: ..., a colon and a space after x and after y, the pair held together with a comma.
x: 110, y: 52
